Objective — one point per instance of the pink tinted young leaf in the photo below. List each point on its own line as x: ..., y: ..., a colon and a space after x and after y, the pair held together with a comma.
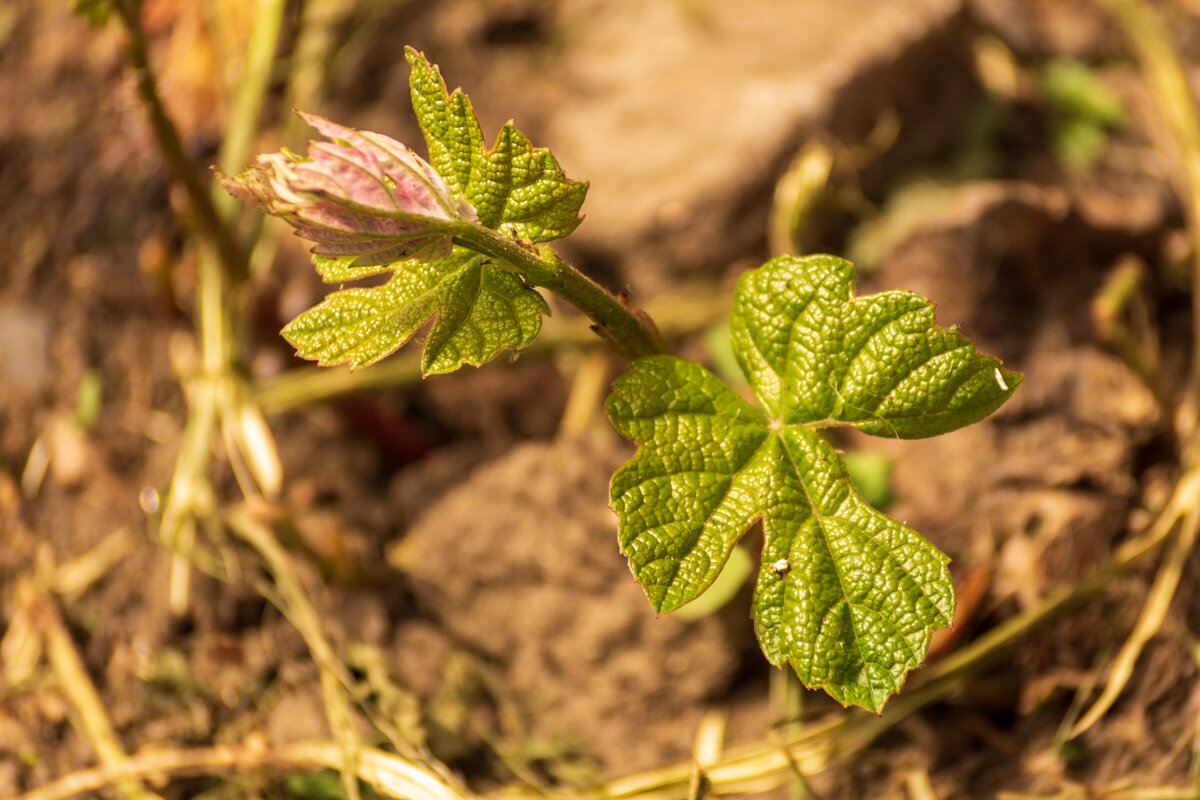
x: 360, y: 194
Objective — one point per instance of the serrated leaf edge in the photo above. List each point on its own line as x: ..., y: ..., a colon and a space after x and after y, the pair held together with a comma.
x: 482, y: 161
x: 433, y: 318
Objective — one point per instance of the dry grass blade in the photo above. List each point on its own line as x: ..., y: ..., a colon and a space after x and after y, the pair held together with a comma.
x: 762, y: 766
x: 299, y: 609
x: 1074, y: 791
x: 1168, y: 81
x: 76, y: 683
x: 22, y: 646
x: 76, y: 576
x: 918, y: 786
x: 391, y: 775
x: 1162, y: 592
x: 249, y: 443
x: 796, y: 194
x: 709, y: 739
x: 388, y: 773
x: 589, y: 385
x: 190, y: 493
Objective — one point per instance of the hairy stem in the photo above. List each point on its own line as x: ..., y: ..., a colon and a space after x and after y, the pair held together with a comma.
x: 170, y: 144
x: 628, y: 330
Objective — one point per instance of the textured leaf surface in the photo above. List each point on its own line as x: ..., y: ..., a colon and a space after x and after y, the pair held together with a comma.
x: 845, y: 594
x: 479, y: 308
x: 513, y: 186
x: 372, y: 206
x: 817, y: 355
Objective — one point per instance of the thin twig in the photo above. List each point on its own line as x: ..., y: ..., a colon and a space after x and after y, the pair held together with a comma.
x: 252, y: 84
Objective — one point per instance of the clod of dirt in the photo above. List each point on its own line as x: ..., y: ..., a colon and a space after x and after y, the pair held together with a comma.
x: 1055, y: 464
x: 520, y: 563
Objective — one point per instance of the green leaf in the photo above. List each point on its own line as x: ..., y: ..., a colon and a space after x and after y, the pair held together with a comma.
x: 817, y: 355
x: 514, y: 186
x: 845, y: 594
x: 479, y: 309
x: 372, y: 206
x: 724, y: 589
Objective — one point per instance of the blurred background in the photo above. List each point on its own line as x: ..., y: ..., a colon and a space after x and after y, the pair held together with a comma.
x: 232, y: 574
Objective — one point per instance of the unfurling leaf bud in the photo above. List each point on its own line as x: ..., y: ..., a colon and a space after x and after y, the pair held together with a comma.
x: 361, y: 194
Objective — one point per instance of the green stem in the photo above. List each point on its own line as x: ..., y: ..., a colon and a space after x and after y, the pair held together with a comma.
x: 680, y: 313
x: 170, y: 144
x: 628, y: 330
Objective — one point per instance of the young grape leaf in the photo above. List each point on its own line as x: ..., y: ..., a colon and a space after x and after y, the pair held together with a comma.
x: 480, y: 310
x: 373, y: 206
x: 845, y: 594
x: 514, y: 187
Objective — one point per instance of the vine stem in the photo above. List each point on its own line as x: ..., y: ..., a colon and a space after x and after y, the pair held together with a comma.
x: 678, y: 313
x: 629, y: 331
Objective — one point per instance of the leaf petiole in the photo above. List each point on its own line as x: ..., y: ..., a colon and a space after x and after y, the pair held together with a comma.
x: 629, y: 331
